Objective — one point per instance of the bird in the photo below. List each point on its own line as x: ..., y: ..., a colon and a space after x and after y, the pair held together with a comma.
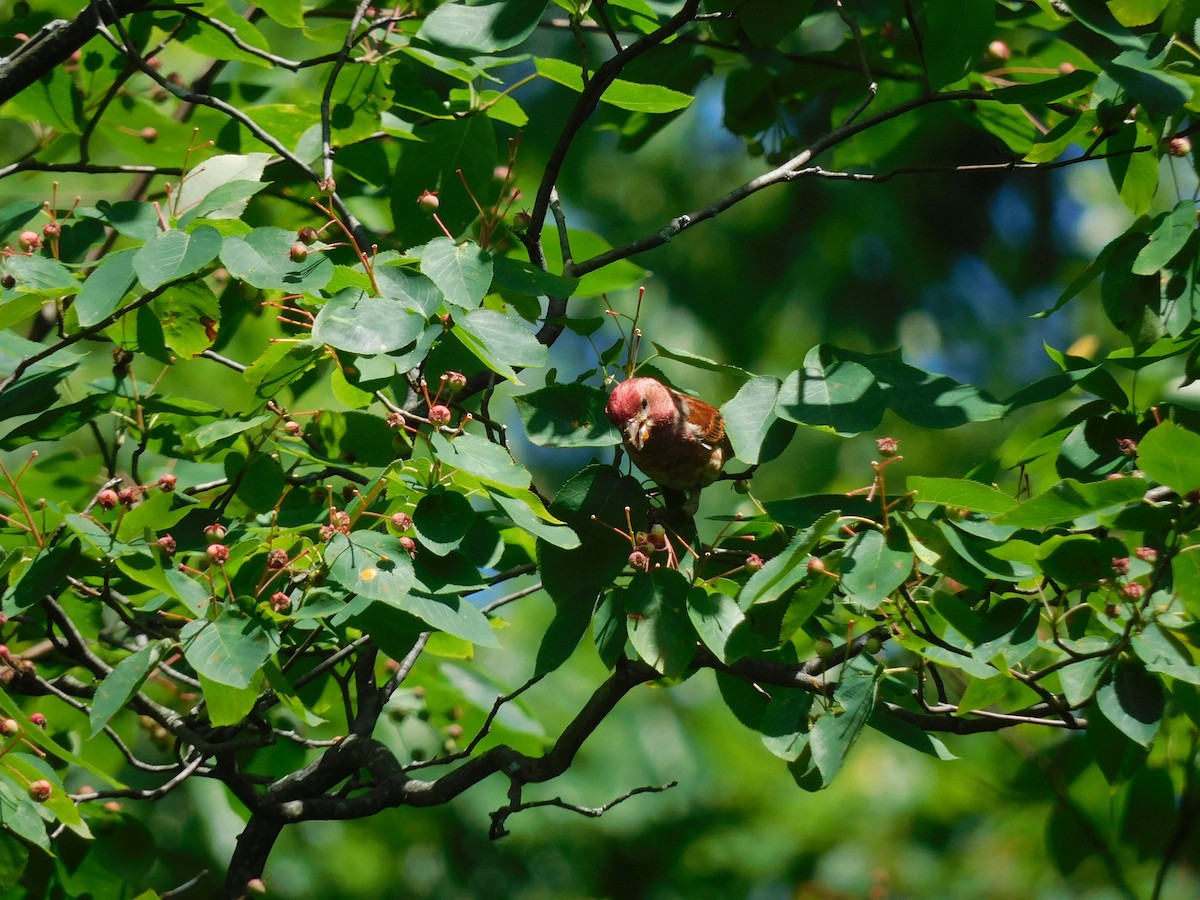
x: 677, y: 440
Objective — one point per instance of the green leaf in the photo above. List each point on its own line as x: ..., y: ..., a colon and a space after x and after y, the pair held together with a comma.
x: 462, y: 272
x: 659, y: 628
x: 356, y: 322
x: 39, y: 738
x: 567, y: 415
x: 263, y: 259
x: 701, y: 362
x: 1161, y: 93
x: 716, y: 618
x: 213, y: 174
x: 1170, y: 455
x: 647, y: 98
x: 1069, y: 500
x: 960, y: 493
x: 58, y: 423
x: 522, y: 278
x: 528, y: 514
x: 227, y: 705
x: 1046, y: 91
x: 189, y: 314
x: 781, y: 573
x: 1167, y: 239
x: 261, y: 484
x: 834, y: 733
x: 956, y: 36
x: 123, y: 682
x: 1133, y: 701
x: 754, y: 429
x: 873, y: 565
x: 1134, y: 174
x: 371, y: 564
x: 574, y: 578
x: 442, y: 519
x: 487, y: 27
x: 104, y: 289
x: 842, y: 396
x: 500, y: 341
x: 171, y: 255
x: 229, y: 649
x: 490, y: 463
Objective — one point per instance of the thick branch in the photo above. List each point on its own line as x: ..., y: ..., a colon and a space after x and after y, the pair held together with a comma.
x: 51, y: 47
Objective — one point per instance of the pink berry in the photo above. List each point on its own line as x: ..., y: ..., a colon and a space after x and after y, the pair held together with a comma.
x: 30, y: 240
x: 215, y: 532
x: 38, y: 719
x: 277, y: 559
x: 166, y: 482
x: 166, y: 544
x: 107, y: 499
x: 218, y: 553
x: 9, y: 727
x: 51, y: 229
x: 429, y: 201
x: 1146, y: 554
x: 439, y: 414
x: 401, y: 521
x: 40, y: 790
x: 280, y: 602
x: 408, y: 545
x: 307, y: 235
x: 149, y: 135
x: 639, y: 560
x: 298, y: 252
x: 754, y: 562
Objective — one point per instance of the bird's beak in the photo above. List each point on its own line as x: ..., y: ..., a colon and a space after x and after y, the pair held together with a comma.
x: 637, y: 431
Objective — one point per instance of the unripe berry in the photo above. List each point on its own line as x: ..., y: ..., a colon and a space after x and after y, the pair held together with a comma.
x: 429, y: 201
x: 439, y: 414
x: 126, y: 496
x: 521, y: 221
x: 107, y: 499
x: 38, y: 719
x: 256, y: 887
x: 51, y: 229
x: 741, y: 486
x: 166, y: 544
x: 1066, y: 68
x: 218, y: 553
x: 277, y: 559
x: 887, y: 446
x: 280, y: 602
x: 166, y: 482
x: 215, y: 532
x: 298, y: 252
x: 1120, y: 565
x: 408, y: 545
x: 1127, y: 446
x: 149, y: 135
x: 816, y: 566
x: 824, y: 648
x: 40, y: 790
x: 307, y: 235
x: 639, y: 560
x: 1133, y: 591
x: 754, y: 562
x: 327, y: 186
x: 8, y: 281
x: 401, y: 521
x: 1146, y: 554
x: 999, y: 51
x: 455, y: 381
x: 30, y: 240
x: 454, y: 731
x: 9, y: 727
x: 292, y: 427
x: 1179, y: 146
x: 873, y: 645
x: 327, y: 532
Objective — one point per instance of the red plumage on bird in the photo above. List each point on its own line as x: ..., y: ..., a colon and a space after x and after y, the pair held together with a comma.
x: 677, y: 440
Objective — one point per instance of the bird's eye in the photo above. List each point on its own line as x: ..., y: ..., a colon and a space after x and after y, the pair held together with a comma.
x: 645, y: 403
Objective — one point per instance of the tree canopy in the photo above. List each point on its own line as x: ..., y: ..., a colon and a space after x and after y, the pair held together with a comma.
x: 310, y: 510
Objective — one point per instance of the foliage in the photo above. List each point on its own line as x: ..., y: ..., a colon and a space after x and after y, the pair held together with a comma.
x: 258, y: 514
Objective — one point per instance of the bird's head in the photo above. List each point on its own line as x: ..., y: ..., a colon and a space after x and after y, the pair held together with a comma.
x: 640, y: 405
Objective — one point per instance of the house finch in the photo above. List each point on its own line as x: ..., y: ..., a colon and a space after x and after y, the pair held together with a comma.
x: 677, y: 440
